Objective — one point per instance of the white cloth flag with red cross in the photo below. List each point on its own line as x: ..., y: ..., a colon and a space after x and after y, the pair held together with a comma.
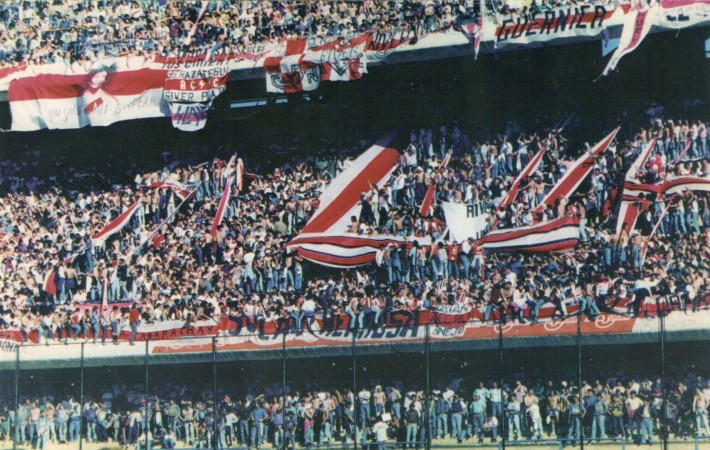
x: 289, y: 73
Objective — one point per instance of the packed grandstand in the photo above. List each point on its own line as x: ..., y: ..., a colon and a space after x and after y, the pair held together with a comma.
x: 90, y: 262
x: 294, y: 264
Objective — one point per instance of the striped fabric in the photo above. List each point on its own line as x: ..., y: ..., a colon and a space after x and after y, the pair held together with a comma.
x: 555, y: 235
x: 325, y: 239
x: 117, y: 224
x: 577, y: 172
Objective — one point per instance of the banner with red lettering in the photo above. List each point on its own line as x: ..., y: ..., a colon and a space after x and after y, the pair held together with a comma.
x: 457, y: 325
x: 190, y: 89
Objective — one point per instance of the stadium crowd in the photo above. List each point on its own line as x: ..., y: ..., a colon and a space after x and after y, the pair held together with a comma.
x: 621, y: 408
x: 41, y: 32
x: 180, y: 272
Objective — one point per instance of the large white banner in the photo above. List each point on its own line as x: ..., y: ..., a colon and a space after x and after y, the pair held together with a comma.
x: 465, y: 221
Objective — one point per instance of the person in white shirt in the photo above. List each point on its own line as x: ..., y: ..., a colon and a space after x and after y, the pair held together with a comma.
x: 380, y: 430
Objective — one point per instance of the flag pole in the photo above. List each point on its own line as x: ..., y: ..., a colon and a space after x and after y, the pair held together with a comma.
x: 167, y: 219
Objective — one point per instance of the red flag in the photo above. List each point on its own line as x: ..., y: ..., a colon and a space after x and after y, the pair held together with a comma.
x: 48, y: 285
x: 685, y: 150
x: 222, y: 208
x: 428, y: 200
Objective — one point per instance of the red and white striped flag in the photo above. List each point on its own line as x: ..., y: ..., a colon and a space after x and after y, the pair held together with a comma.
x: 222, y: 208
x: 529, y: 169
x: 193, y: 30
x: 679, y: 184
x: 117, y: 224
x: 239, y: 171
x: 555, y: 235
x: 178, y: 188
x: 230, y: 168
x: 631, y: 204
x: 576, y: 172
x: 325, y: 238
x: 341, y: 199
x: 425, y: 208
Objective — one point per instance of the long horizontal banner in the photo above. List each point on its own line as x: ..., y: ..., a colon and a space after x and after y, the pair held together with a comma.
x: 60, y: 96
x: 450, y: 317
x: 197, y: 345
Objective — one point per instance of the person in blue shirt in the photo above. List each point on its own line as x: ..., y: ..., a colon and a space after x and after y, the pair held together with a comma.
x: 457, y: 413
x: 277, y: 422
x: 90, y: 416
x: 478, y: 412
x: 19, y: 424
x: 442, y: 417
x: 599, y: 422
x: 74, y: 423
x: 575, y: 412
x: 258, y: 416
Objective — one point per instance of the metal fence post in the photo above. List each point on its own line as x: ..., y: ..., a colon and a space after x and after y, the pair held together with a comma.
x: 146, y: 424
x: 427, y: 434
x: 81, y: 398
x: 355, y: 391
x: 283, y: 388
x: 579, y: 376
x: 503, y: 424
x: 214, y: 393
x: 17, y: 396
x: 664, y: 424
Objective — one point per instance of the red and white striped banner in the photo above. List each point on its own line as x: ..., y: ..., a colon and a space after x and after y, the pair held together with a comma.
x: 338, y: 60
x: 631, y: 207
x: 679, y: 184
x: 343, y: 251
x: 325, y: 238
x: 555, y: 235
x: 685, y: 150
x: 576, y: 172
x: 190, y: 90
x: 117, y: 224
